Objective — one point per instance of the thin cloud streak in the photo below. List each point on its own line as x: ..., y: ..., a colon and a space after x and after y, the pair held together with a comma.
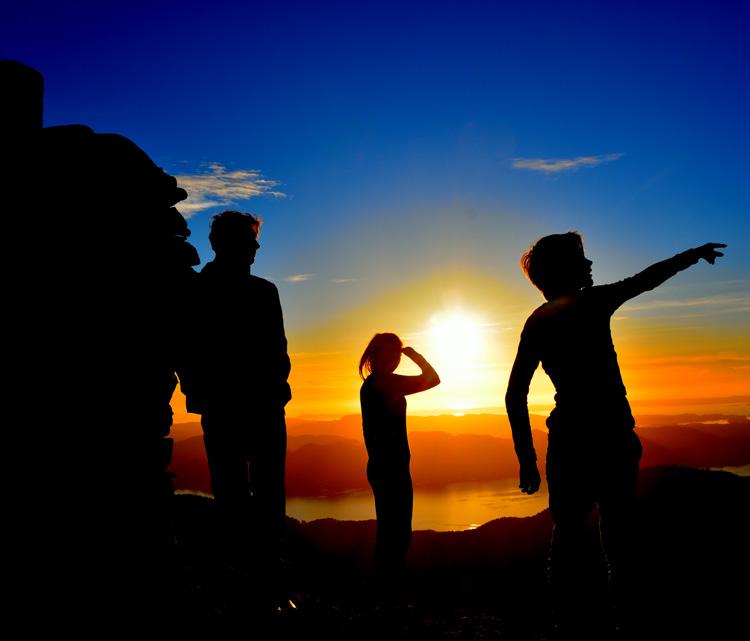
x: 218, y: 187
x: 298, y: 278
x: 339, y: 281
x: 558, y: 165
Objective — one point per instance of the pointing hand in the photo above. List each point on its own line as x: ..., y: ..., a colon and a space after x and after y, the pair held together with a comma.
x: 708, y: 252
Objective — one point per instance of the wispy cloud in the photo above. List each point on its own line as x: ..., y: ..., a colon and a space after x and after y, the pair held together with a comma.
x: 298, y: 278
x: 339, y: 281
x: 216, y: 187
x: 557, y: 165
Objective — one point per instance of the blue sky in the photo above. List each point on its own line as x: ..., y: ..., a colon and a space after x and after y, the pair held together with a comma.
x: 408, y: 137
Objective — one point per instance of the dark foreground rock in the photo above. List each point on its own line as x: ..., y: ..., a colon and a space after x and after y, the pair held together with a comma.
x: 486, y: 583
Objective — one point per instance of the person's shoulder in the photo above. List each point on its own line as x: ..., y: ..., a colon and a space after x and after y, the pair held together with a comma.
x: 375, y: 381
x: 262, y: 282
x: 264, y: 285
x: 386, y: 383
x: 550, y: 311
x: 209, y: 278
x: 595, y: 290
x: 538, y: 312
x: 368, y: 389
x: 598, y: 294
x: 538, y: 315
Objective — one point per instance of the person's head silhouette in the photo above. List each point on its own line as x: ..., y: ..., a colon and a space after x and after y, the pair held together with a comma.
x: 234, y: 237
x: 557, y: 266
x: 382, y: 354
x: 23, y: 98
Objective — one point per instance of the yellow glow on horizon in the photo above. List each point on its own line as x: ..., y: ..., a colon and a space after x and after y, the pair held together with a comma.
x: 468, y: 325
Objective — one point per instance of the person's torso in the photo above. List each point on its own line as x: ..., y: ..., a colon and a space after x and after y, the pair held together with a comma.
x: 384, y: 423
x: 574, y: 342
x: 240, y: 332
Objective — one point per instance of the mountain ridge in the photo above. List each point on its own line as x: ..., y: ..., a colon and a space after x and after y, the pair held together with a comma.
x: 488, y: 583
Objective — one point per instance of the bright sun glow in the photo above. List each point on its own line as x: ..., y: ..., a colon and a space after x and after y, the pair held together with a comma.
x: 456, y: 338
x: 458, y: 348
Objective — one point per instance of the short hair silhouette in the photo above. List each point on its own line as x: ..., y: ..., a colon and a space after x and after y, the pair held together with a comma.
x: 593, y: 453
x: 378, y: 345
x: 230, y: 228
x: 22, y: 105
x: 548, y: 262
x: 237, y: 378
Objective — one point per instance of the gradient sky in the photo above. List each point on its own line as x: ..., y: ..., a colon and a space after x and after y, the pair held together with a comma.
x: 403, y: 155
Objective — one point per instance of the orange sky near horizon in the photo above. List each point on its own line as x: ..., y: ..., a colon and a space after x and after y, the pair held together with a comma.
x: 467, y: 326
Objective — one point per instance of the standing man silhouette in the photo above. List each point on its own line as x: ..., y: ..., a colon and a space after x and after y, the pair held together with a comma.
x: 237, y: 381
x: 593, y: 453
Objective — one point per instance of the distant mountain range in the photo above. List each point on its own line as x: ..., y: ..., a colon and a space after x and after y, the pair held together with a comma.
x: 329, y: 457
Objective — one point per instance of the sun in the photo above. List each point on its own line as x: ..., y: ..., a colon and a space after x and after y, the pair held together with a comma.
x: 456, y: 339
x: 458, y: 347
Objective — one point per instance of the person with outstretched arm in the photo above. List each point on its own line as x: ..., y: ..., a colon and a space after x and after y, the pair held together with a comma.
x: 593, y: 452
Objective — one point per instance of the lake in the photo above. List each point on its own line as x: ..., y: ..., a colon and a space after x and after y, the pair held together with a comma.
x: 460, y: 506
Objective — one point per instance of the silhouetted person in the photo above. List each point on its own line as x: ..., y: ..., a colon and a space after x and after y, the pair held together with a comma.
x: 383, y: 401
x: 98, y: 251
x: 237, y: 381
x: 593, y: 452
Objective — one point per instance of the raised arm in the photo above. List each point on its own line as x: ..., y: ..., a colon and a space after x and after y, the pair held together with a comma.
x: 405, y: 385
x: 516, y: 404
x: 656, y: 274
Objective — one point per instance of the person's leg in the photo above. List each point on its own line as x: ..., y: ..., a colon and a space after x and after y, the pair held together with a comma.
x: 267, y: 458
x: 403, y: 499
x: 383, y: 499
x: 617, y: 523
x: 571, y: 502
x: 227, y: 463
x: 393, y: 507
